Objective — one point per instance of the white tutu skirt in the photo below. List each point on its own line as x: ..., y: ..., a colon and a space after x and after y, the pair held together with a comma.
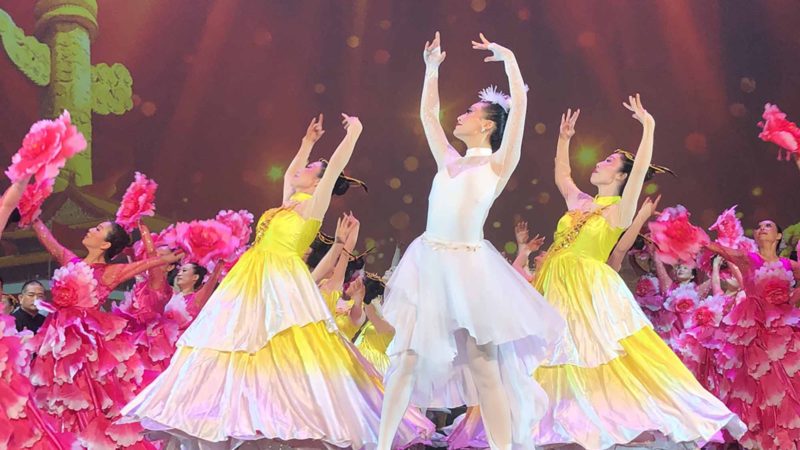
x: 440, y: 294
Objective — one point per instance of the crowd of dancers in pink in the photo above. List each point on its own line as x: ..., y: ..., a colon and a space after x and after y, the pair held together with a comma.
x: 79, y: 370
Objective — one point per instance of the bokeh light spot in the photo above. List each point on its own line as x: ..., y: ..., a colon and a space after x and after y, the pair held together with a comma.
x: 497, y: 224
x: 543, y: 198
x: 411, y: 163
x: 399, y: 220
x: 353, y: 41
x: 510, y: 247
x: 747, y: 85
x: 148, y: 108
x: 275, y: 173
x: 395, y: 183
x: 696, y: 142
x: 587, y: 156
x: 381, y: 56
x: 477, y: 5
x: 540, y: 128
x: 650, y: 188
x: 737, y: 110
x: 757, y: 191
x: 408, y: 199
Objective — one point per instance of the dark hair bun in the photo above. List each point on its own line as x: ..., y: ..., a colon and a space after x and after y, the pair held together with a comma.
x: 372, y: 289
x: 318, y: 250
x: 341, y: 186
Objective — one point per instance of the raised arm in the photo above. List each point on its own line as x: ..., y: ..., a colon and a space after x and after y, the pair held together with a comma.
x: 119, y: 273
x: 506, y: 158
x: 641, y: 164
x: 735, y: 256
x: 629, y: 237
x: 525, y: 247
x: 157, y: 276
x: 521, y: 264
x: 313, y: 133
x: 563, y: 170
x: 61, y: 254
x: 339, y: 159
x: 664, y: 280
x: 202, y: 294
x: 328, y: 262
x: 429, y: 104
x: 10, y: 200
x: 336, y: 280
x: 716, y: 282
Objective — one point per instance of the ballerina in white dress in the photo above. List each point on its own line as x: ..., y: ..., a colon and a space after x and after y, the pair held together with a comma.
x: 469, y: 329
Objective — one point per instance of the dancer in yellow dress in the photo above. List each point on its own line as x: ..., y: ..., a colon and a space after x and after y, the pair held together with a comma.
x: 612, y: 380
x: 263, y: 361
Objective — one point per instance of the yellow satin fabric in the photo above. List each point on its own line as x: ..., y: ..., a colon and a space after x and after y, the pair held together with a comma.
x: 282, y: 230
x: 342, y: 319
x: 373, y: 345
x: 595, y: 239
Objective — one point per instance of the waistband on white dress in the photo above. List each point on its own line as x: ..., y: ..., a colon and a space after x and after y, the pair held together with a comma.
x: 439, y: 244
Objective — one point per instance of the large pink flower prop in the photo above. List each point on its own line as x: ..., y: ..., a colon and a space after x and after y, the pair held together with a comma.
x: 205, y: 240
x: 139, y: 200
x: 777, y: 129
x: 240, y: 223
x: 46, y: 149
x: 74, y: 285
x: 728, y: 227
x: 677, y: 240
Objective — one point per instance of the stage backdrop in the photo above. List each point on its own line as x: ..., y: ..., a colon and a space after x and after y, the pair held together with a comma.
x: 223, y: 91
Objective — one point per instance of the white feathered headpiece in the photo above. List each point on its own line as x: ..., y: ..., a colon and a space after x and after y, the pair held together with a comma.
x: 493, y: 95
